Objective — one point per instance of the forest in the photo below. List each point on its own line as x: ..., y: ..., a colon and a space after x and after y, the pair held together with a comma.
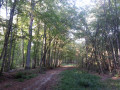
x: 69, y: 36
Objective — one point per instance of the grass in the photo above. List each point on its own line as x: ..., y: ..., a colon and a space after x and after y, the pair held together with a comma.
x: 79, y: 80
x: 28, y: 74
x: 21, y: 76
x: 112, y: 84
x: 64, y: 64
x: 7, y: 85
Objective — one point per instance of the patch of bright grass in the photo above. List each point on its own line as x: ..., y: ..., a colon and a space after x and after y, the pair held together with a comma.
x: 78, y: 80
x: 64, y: 64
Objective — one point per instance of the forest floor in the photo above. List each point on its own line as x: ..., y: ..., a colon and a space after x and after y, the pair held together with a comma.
x: 44, y: 81
x: 61, y: 78
x: 77, y: 79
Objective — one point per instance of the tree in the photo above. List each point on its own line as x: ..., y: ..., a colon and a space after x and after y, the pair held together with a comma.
x: 9, y: 29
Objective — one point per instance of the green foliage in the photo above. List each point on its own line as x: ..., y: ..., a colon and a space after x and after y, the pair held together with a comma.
x: 21, y: 76
x: 78, y: 80
x: 117, y: 75
x: 70, y: 65
x: 112, y: 84
x: 81, y: 80
x: 7, y: 85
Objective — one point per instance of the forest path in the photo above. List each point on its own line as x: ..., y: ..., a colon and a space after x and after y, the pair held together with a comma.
x: 41, y: 82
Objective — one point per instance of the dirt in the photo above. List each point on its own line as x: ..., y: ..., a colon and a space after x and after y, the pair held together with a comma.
x: 45, y: 81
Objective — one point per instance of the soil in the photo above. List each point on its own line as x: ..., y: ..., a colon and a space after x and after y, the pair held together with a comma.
x: 46, y: 81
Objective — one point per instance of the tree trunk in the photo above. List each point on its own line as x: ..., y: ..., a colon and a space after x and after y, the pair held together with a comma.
x: 44, y: 58
x: 23, y: 50
x: 7, y: 35
x: 11, y: 66
x: 30, y: 36
x: 10, y: 50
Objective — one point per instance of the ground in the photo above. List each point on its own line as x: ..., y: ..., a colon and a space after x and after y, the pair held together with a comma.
x: 78, y: 79
x: 44, y: 81
x: 49, y: 80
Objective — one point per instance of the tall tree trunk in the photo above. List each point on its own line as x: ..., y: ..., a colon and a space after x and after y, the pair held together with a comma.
x: 55, y: 55
x: 44, y: 58
x: 38, y: 45
x: 113, y: 54
x: 7, y: 34
x: 23, y: 57
x: 57, y: 58
x: 30, y: 36
x: 49, y: 51
x: 42, y: 53
x: 10, y: 51
x: 36, y: 48
x: 35, y: 55
x: 11, y: 66
x: 117, y: 29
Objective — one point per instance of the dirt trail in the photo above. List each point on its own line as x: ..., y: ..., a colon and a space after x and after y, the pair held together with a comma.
x: 41, y: 82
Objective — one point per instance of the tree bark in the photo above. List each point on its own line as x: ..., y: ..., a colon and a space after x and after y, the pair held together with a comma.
x: 8, y: 34
x: 30, y: 36
x: 44, y: 58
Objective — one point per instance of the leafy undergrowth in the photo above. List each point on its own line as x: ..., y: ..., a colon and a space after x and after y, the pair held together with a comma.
x: 27, y: 74
x: 79, y: 80
x: 21, y: 76
x: 112, y: 84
